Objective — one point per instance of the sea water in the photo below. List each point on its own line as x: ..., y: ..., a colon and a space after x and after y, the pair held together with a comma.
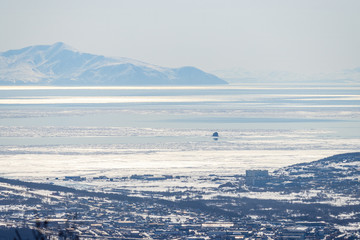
x: 119, y: 131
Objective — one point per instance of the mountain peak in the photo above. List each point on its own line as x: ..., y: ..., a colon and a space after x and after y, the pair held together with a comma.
x: 60, y: 64
x: 61, y: 45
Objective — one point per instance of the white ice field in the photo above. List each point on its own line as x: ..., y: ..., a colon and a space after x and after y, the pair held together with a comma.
x: 48, y: 132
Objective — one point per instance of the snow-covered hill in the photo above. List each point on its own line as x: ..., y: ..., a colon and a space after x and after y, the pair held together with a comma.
x: 59, y: 64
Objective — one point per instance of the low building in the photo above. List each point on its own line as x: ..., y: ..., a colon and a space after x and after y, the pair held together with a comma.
x: 74, y: 178
x: 294, y: 233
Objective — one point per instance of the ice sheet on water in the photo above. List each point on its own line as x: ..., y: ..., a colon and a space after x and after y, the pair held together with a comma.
x: 62, y: 131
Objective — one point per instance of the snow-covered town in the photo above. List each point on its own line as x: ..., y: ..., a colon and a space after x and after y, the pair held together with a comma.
x: 296, y: 202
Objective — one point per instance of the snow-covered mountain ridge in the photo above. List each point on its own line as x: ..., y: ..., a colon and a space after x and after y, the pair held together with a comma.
x: 59, y: 64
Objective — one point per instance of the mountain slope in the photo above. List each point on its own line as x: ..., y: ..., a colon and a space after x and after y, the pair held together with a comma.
x: 59, y: 64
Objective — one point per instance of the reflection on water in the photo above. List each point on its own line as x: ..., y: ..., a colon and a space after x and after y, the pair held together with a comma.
x: 30, y: 141
x: 132, y: 129
x: 214, y: 107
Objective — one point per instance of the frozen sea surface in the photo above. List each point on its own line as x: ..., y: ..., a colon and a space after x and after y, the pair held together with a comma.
x: 120, y: 131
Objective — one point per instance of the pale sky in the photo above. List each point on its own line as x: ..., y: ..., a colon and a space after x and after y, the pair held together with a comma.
x: 302, y: 36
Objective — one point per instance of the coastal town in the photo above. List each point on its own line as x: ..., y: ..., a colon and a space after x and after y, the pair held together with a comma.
x: 241, y: 207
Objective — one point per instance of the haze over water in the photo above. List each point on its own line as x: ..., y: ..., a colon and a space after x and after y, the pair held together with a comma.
x: 117, y: 131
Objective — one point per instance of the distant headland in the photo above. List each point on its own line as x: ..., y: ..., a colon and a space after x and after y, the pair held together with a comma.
x: 61, y: 65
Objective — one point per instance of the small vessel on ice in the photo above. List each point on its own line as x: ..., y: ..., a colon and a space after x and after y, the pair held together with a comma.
x: 215, y: 136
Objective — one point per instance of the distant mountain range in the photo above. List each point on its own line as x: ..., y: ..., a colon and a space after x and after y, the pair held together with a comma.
x: 241, y: 75
x: 59, y: 64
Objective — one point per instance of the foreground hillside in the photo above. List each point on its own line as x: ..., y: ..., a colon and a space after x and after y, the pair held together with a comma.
x: 238, y: 209
x: 59, y: 64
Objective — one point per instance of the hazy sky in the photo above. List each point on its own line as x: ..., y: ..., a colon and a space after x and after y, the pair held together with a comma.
x: 302, y: 36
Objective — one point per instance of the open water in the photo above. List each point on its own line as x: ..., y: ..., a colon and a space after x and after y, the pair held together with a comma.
x: 53, y: 131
